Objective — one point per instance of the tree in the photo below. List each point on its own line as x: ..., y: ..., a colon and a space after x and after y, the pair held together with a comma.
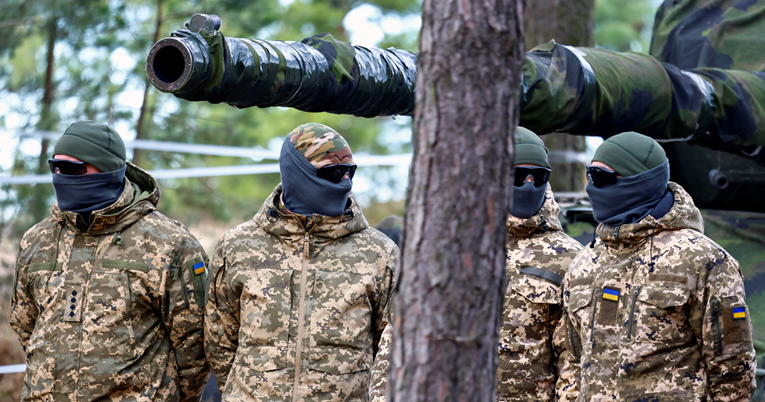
x: 449, y: 297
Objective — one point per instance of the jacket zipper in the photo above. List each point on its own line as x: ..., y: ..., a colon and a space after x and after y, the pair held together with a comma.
x: 179, y: 272
x: 716, y: 326
x: 592, y: 318
x: 301, y: 319
x: 576, y: 344
x: 632, y: 312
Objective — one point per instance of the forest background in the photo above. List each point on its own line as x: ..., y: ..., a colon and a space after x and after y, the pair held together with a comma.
x: 63, y: 61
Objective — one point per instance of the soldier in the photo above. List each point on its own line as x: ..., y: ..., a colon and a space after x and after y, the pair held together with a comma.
x: 299, y: 295
x: 656, y: 309
x: 538, y: 255
x: 109, y: 293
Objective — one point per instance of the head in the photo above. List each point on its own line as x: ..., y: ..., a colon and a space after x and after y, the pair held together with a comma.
x: 317, y: 168
x: 392, y: 227
x: 532, y: 172
x: 628, y: 176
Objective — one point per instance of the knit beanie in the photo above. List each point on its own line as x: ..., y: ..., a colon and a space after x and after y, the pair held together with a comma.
x: 630, y: 153
x: 321, y: 145
x: 93, y: 143
x: 529, y: 148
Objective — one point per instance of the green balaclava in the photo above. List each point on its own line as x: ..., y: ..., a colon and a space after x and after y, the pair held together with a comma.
x: 529, y: 148
x: 630, y: 153
x: 94, y: 143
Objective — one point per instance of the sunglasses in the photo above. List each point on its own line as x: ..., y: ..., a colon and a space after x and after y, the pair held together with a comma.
x: 601, y: 177
x: 541, y: 175
x: 67, y: 167
x: 335, y: 173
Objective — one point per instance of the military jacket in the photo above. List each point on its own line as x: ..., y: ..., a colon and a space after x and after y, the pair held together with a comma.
x: 657, y: 312
x: 295, y: 313
x: 112, y: 311
x: 538, y: 255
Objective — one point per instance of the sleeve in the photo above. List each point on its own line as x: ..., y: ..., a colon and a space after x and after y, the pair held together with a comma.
x: 597, y: 92
x: 23, y: 308
x: 222, y: 318
x: 567, y: 340
x: 381, y: 311
x: 183, y: 315
x: 720, y: 319
x: 379, y: 376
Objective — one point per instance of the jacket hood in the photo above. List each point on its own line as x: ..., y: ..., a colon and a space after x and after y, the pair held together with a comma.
x: 139, y: 197
x: 544, y: 220
x: 682, y: 215
x: 323, y: 228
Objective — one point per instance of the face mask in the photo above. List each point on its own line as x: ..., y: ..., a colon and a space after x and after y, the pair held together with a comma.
x: 86, y: 193
x: 630, y: 199
x: 304, y: 192
x: 527, y: 200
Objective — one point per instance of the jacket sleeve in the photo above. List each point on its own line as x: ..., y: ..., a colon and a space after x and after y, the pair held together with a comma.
x: 23, y: 308
x: 379, y: 376
x: 183, y: 315
x: 222, y: 318
x: 720, y: 319
x: 566, y: 338
x: 381, y: 313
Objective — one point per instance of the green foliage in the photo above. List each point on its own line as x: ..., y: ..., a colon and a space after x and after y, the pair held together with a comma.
x: 624, y: 25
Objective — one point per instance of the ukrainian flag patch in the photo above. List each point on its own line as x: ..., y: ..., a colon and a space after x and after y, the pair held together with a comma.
x: 199, y: 268
x: 611, y: 294
x: 739, y: 313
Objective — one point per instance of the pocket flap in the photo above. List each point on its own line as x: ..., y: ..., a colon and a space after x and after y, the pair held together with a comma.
x: 579, y: 299
x: 537, y: 290
x: 44, y: 266
x: 135, y: 266
x: 664, y: 296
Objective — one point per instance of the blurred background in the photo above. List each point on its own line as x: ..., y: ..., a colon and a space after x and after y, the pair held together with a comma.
x: 63, y: 61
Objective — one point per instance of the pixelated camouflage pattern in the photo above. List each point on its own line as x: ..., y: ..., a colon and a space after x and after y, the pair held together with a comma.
x: 528, y: 351
x: 671, y: 335
x: 113, y: 312
x: 321, y: 145
x: 296, y: 314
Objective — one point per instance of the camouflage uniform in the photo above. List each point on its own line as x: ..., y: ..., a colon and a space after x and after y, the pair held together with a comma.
x: 657, y: 312
x: 113, y: 312
x: 538, y: 255
x: 296, y: 314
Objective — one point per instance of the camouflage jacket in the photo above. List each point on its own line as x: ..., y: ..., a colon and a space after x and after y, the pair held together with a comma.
x: 538, y: 255
x: 657, y: 312
x: 296, y: 314
x: 113, y: 312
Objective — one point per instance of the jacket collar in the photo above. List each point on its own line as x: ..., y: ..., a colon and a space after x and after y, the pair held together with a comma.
x: 544, y: 220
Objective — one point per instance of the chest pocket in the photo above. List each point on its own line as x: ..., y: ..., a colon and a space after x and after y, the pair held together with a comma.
x: 44, y: 278
x: 660, y: 315
x: 529, y: 303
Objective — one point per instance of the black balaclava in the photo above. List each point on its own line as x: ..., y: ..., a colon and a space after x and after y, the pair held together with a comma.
x: 529, y: 149
x: 86, y: 193
x: 304, y: 192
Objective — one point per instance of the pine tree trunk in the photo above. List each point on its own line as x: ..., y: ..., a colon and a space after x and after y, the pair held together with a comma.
x: 449, y: 298
x: 569, y: 22
x: 139, y: 127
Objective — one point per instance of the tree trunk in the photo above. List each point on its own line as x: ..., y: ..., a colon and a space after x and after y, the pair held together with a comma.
x: 139, y: 127
x: 569, y: 22
x: 449, y: 292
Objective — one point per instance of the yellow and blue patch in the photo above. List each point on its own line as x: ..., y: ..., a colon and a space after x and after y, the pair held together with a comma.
x: 739, y: 313
x: 199, y: 268
x: 611, y: 294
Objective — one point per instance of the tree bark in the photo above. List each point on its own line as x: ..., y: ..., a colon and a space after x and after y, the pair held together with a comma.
x: 569, y: 22
x: 448, y: 301
x: 139, y: 127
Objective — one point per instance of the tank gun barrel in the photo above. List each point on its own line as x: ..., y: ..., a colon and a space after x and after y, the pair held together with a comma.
x: 319, y: 74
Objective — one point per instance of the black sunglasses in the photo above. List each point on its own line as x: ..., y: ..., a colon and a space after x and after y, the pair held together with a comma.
x: 67, y: 167
x: 335, y: 173
x: 541, y: 175
x: 601, y: 177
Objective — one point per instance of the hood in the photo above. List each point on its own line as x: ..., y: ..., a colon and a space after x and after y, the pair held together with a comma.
x: 323, y: 228
x: 544, y: 220
x: 139, y: 197
x: 683, y: 215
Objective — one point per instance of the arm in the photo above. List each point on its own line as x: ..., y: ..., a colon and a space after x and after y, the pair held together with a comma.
x: 221, y: 318
x: 23, y: 308
x: 379, y: 376
x: 184, y: 316
x: 725, y: 330
x: 567, y: 339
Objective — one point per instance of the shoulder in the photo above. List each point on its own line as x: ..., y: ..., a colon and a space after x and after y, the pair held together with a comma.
x: 691, y: 246
x: 157, y: 225
x: 245, y: 232
x: 40, y: 232
x: 371, y: 239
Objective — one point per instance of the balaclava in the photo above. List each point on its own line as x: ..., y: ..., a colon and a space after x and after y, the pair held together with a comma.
x: 100, y: 146
x: 529, y: 149
x: 644, y: 165
x: 306, y: 149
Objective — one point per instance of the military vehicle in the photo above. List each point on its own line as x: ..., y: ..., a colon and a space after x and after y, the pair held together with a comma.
x: 700, y: 92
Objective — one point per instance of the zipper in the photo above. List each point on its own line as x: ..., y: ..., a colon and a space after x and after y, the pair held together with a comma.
x: 301, y: 319
x: 716, y: 327
x: 632, y: 312
x: 592, y: 318
x: 576, y: 344
x: 183, y: 282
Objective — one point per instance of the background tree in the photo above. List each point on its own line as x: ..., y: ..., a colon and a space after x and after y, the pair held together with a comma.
x: 449, y: 293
